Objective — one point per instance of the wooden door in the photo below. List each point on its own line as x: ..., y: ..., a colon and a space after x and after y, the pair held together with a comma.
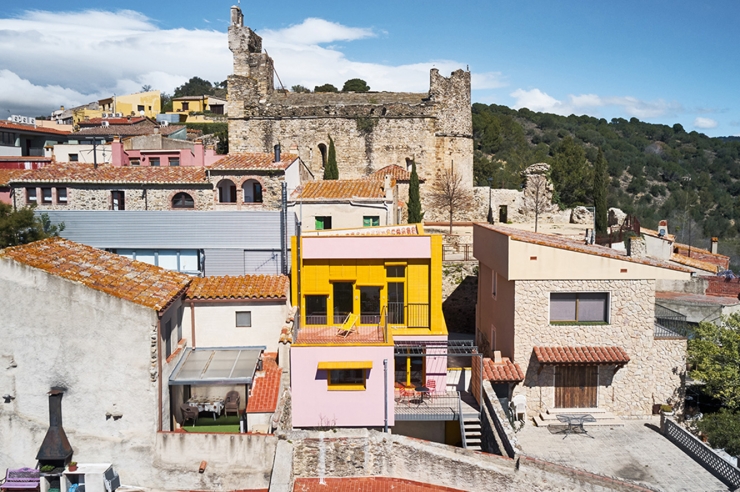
x: 575, y: 386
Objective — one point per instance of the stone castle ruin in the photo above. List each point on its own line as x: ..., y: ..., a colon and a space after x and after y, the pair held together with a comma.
x: 370, y: 130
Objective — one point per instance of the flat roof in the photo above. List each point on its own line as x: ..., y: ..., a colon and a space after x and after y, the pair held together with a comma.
x: 217, y: 366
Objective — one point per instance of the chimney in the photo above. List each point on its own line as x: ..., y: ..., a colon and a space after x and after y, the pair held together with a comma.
x: 118, y: 156
x: 55, y: 450
x: 198, y: 153
x: 237, y: 18
x: 388, y: 187
x: 497, y: 357
x: 277, y: 153
x: 715, y: 243
x: 636, y: 247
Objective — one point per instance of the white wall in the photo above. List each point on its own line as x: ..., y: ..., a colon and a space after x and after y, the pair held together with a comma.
x: 215, y: 324
x: 10, y: 151
x: 343, y: 215
x: 84, y: 153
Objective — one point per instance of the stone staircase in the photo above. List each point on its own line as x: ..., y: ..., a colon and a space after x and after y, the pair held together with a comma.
x: 603, y: 418
x: 471, y: 425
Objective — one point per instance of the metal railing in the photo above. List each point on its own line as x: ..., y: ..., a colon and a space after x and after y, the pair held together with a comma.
x: 346, y: 331
x: 670, y: 323
x: 462, y: 422
x: 412, y: 315
x: 461, y: 252
x: 443, y: 405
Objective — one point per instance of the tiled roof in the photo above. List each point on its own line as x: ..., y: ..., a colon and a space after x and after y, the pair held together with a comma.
x: 78, y: 172
x: 393, y: 230
x: 7, y: 174
x: 7, y: 125
x: 397, y: 172
x: 241, y: 287
x: 253, y: 161
x: 126, y: 130
x: 113, y: 121
x: 191, y: 98
x: 577, y: 246
x: 695, y: 263
x: 650, y: 232
x: 366, y: 484
x: 25, y: 158
x: 502, y: 372
x: 685, y: 247
x: 266, y: 389
x: 118, y: 276
x: 340, y: 189
x: 581, y: 355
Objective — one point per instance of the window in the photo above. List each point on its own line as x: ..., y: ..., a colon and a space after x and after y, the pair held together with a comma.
x: 154, y: 161
x: 226, y: 191
x: 316, y: 310
x: 31, y: 195
x: 371, y: 221
x: 323, y: 223
x: 168, y: 338
x: 587, y: 308
x: 185, y: 106
x: 135, y: 161
x: 62, y: 196
x: 174, y: 161
x: 397, y: 271
x: 346, y: 379
x: 183, y: 200
x: 46, y: 195
x: 140, y: 107
x: 118, y: 201
x: 74, y: 157
x: 494, y: 284
x: 243, y: 319
x: 252, y: 191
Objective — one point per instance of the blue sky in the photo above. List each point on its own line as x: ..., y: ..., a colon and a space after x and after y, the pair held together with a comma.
x: 659, y: 61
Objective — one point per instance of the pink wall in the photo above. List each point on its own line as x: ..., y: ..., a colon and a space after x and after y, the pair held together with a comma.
x: 375, y: 247
x: 314, y: 405
x: 5, y: 195
x: 197, y: 157
x: 436, y: 367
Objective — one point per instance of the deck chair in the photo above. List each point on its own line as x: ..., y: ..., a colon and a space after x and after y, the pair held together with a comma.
x: 518, y: 406
x: 349, y: 326
x: 432, y: 385
x: 231, y: 403
x: 189, y: 413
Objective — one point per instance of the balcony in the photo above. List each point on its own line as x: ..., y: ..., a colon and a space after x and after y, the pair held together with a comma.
x: 443, y: 405
x: 411, y: 315
x: 345, y: 329
x: 670, y: 324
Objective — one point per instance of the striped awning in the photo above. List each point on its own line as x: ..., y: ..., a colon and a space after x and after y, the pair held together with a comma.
x: 581, y: 355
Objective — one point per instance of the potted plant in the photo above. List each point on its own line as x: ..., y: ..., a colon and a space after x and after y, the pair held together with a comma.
x: 666, y: 410
x: 72, y: 466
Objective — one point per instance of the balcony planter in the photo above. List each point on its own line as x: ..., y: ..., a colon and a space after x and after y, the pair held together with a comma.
x: 72, y: 466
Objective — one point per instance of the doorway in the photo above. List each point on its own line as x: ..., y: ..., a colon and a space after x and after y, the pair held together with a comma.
x: 343, y: 301
x: 503, y: 214
x: 395, y: 303
x: 575, y: 386
x: 369, y: 305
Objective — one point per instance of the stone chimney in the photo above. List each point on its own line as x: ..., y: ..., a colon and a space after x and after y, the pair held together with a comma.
x: 388, y: 187
x: 636, y: 247
x: 715, y: 244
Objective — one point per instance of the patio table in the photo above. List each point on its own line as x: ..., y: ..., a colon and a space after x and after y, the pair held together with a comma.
x: 422, y: 390
x: 575, y: 421
x: 213, y: 404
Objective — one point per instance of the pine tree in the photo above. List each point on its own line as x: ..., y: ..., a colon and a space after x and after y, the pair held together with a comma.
x: 415, y: 213
x: 601, y: 179
x: 331, y: 171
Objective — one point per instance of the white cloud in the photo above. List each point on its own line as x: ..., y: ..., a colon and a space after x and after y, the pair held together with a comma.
x: 68, y: 58
x: 593, y: 104
x: 705, y: 123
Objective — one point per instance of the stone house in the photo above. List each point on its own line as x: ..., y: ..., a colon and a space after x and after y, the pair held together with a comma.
x: 346, y: 204
x: 370, y: 130
x: 579, y: 320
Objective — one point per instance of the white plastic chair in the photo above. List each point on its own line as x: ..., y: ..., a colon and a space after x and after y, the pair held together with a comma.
x: 518, y: 405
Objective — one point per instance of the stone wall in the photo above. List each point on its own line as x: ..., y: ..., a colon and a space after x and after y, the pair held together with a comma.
x: 271, y: 190
x: 656, y: 368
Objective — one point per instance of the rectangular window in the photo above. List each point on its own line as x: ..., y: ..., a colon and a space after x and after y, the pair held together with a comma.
x: 46, y: 195
x: 135, y: 161
x: 582, y: 307
x: 174, y: 161
x: 316, y: 310
x: 31, y: 195
x: 395, y: 271
x: 118, y: 200
x: 243, y: 319
x: 140, y: 107
x: 154, y: 161
x: 323, y: 223
x: 494, y: 284
x: 74, y: 157
x: 370, y: 220
x: 185, y: 106
x: 346, y: 379
x: 62, y: 196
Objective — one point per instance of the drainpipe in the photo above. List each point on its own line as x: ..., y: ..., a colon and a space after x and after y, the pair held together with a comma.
x: 192, y: 324
x: 385, y: 394
x: 159, y: 373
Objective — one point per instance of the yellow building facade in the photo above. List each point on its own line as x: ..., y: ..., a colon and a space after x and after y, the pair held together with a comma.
x: 150, y: 103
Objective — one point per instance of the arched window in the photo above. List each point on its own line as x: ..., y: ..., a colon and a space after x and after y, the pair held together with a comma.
x: 226, y: 191
x: 322, y: 149
x: 183, y: 200
x: 252, y: 191
x: 409, y: 163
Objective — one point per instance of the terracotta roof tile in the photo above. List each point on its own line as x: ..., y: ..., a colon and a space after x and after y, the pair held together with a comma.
x: 503, y: 372
x: 106, y: 173
x: 127, y: 130
x: 341, y: 189
x: 253, y: 161
x: 118, y: 276
x: 577, y: 246
x: 266, y: 389
x: 241, y: 287
x: 7, y: 174
x: 679, y: 247
x: 25, y: 158
x: 114, y: 121
x: 397, y: 172
x: 581, y: 355
x: 366, y: 484
x: 695, y: 263
x: 33, y: 129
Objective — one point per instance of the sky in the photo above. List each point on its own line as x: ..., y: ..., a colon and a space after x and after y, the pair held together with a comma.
x: 659, y: 61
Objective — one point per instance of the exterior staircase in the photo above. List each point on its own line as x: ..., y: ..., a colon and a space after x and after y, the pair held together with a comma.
x: 603, y: 418
x: 472, y: 429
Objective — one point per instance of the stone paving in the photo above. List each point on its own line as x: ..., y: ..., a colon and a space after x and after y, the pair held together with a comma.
x: 636, y: 452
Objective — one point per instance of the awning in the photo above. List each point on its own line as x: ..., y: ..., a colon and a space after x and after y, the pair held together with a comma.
x: 352, y: 364
x: 502, y: 372
x: 581, y: 355
x: 217, y: 366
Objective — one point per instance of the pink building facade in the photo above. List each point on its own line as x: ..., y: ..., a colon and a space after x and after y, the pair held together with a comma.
x: 197, y: 156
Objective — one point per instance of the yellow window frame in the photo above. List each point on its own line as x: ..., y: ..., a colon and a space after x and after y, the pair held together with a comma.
x: 345, y: 365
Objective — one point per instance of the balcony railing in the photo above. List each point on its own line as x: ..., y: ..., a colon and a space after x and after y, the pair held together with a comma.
x: 412, y: 315
x: 670, y: 323
x: 347, y: 328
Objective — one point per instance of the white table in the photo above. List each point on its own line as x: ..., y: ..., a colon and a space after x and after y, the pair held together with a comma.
x: 214, y: 404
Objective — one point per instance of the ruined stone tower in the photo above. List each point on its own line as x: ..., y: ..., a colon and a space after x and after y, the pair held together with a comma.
x: 370, y: 130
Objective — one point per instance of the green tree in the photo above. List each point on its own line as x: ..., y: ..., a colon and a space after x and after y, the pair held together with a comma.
x: 300, y: 88
x: 146, y: 88
x: 355, y: 85
x: 601, y: 183
x: 331, y: 171
x: 722, y: 430
x: 22, y: 226
x: 325, y: 88
x: 415, y: 213
x: 571, y: 174
x: 194, y: 87
x: 166, y: 102
x: 715, y: 354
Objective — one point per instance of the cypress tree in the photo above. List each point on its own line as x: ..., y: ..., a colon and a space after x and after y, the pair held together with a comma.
x: 601, y: 178
x: 331, y: 171
x: 415, y: 213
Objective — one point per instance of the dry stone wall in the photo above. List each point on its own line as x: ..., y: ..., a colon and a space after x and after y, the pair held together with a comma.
x: 652, y: 376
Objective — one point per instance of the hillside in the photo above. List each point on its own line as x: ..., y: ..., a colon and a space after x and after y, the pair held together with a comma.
x: 656, y: 171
